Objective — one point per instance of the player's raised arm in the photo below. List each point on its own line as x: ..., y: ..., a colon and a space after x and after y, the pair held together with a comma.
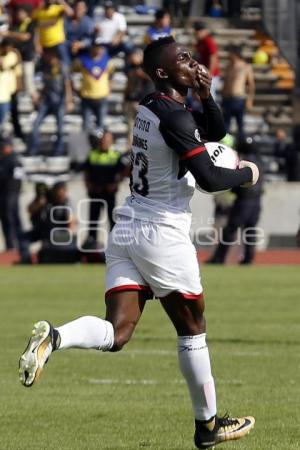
x: 213, y: 179
x: 181, y: 133
x: 210, y: 121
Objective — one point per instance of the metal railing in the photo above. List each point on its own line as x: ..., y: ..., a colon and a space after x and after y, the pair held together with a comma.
x: 281, y: 20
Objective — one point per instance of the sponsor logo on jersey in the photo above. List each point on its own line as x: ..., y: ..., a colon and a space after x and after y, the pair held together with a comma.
x: 197, y: 135
x: 141, y: 124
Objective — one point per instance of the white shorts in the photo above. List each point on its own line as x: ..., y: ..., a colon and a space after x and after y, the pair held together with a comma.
x: 151, y: 257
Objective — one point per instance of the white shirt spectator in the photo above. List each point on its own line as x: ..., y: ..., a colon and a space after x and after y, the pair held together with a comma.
x: 109, y: 28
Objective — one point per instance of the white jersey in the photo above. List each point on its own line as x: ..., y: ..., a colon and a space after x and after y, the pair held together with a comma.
x: 109, y: 28
x: 165, y: 134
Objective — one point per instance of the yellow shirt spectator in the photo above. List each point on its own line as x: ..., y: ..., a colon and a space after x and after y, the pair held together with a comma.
x: 95, y: 76
x: 50, y: 24
x: 11, y: 69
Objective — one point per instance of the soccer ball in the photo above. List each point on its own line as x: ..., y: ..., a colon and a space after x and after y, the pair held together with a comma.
x: 221, y: 156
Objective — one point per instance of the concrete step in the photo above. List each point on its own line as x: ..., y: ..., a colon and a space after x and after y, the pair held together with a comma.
x: 272, y: 98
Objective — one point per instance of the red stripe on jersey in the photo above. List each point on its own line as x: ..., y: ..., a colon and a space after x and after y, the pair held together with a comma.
x: 191, y: 296
x: 193, y: 152
x: 129, y: 287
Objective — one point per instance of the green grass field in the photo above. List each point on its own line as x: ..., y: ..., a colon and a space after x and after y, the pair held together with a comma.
x: 136, y: 399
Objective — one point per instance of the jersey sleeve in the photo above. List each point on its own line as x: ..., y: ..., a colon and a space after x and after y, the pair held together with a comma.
x: 181, y: 133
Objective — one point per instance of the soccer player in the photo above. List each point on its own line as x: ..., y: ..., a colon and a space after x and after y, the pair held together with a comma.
x: 149, y: 250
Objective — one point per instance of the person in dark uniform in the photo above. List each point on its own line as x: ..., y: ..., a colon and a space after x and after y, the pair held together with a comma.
x: 244, y: 213
x: 52, y: 223
x: 11, y: 174
x: 104, y: 169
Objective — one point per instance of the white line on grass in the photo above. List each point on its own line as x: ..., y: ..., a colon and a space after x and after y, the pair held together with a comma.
x: 133, y: 381
x: 173, y: 353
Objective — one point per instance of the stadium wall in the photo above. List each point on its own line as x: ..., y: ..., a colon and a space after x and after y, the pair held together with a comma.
x: 280, y: 215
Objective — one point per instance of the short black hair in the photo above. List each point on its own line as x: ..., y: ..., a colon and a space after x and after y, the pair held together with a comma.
x: 160, y: 14
x: 198, y: 26
x: 152, y: 54
x: 236, y: 50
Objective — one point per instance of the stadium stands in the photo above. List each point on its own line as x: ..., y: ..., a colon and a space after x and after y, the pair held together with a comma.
x: 272, y: 105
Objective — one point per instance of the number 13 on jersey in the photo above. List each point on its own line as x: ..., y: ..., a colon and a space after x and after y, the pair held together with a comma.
x: 138, y: 179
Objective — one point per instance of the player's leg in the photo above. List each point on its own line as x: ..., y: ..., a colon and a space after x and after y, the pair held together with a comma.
x: 126, y: 293
x: 123, y: 310
x: 188, y: 319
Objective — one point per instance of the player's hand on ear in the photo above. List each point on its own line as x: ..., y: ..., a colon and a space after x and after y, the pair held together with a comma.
x: 255, y: 172
x: 204, y: 80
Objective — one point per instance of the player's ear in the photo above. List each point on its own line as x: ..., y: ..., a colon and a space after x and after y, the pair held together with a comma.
x: 161, y: 74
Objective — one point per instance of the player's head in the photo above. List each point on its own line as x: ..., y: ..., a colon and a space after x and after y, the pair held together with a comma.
x: 169, y: 64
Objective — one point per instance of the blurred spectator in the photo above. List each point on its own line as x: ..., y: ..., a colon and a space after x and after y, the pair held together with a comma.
x: 207, y: 54
x: 49, y: 18
x: 10, y: 84
x: 9, y: 60
x: 244, y: 213
x: 104, y: 169
x: 56, y: 99
x: 160, y: 28
x: 96, y: 70
x: 13, y: 5
x: 178, y: 8
x: 137, y: 87
x: 290, y: 152
x: 214, y: 8
x: 11, y: 174
x: 111, y: 30
x: 238, y: 76
x: 14, y: 106
x: 52, y: 221
x: 22, y: 35
x: 79, y: 29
